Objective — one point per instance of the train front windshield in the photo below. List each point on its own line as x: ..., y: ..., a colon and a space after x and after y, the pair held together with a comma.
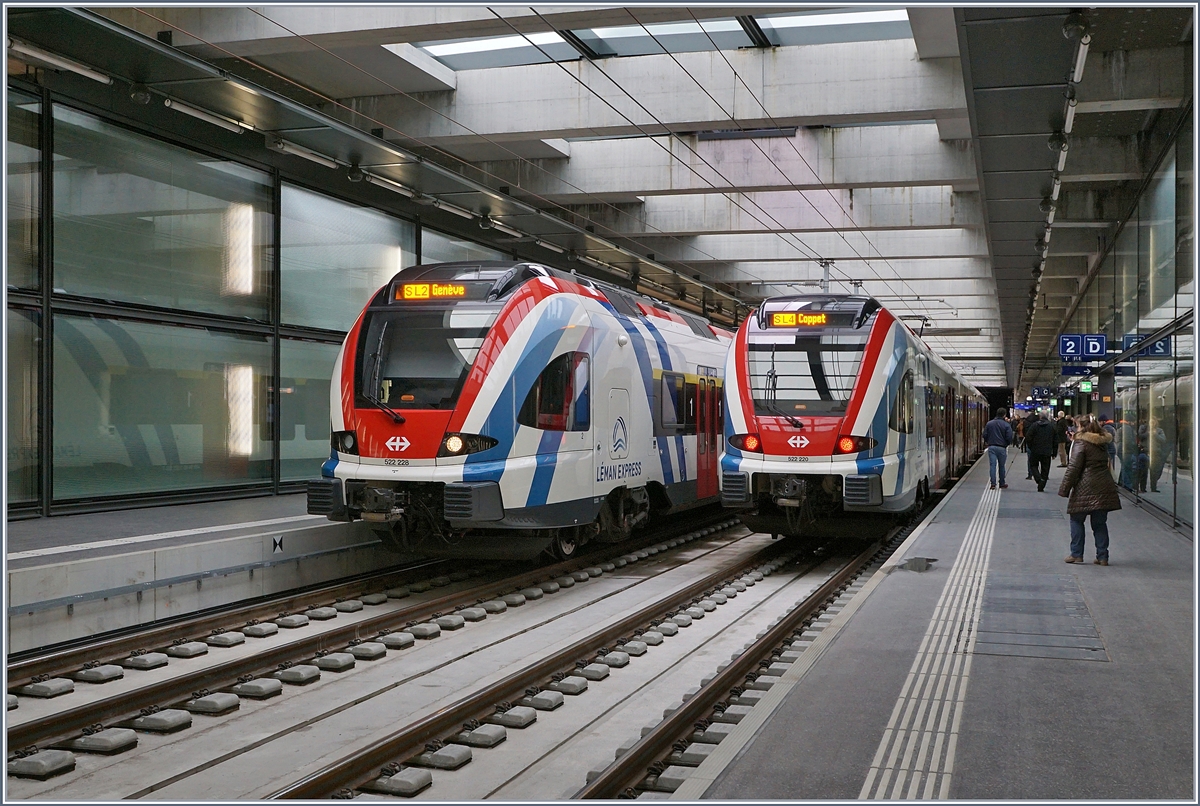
x: 797, y: 369
x: 419, y: 357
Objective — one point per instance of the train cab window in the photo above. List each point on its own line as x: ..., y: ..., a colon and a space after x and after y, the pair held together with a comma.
x: 560, y: 399
x: 901, y: 417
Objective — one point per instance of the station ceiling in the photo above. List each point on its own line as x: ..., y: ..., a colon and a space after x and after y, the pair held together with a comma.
x: 713, y: 155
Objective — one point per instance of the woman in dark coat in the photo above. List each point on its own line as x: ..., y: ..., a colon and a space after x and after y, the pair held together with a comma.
x: 1091, y: 490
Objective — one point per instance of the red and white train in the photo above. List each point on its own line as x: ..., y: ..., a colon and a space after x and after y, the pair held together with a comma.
x: 499, y: 409
x: 834, y: 404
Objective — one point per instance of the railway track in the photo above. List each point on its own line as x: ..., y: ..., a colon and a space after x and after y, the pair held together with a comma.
x: 667, y: 753
x: 44, y: 721
x: 398, y: 724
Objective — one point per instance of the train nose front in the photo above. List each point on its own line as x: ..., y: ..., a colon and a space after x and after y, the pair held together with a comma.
x: 419, y: 437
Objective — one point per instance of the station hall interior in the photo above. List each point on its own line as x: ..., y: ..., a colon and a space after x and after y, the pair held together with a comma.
x: 200, y: 200
x: 203, y: 200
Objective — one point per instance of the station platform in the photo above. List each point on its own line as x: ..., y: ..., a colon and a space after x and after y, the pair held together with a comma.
x: 1000, y: 672
x: 74, y: 576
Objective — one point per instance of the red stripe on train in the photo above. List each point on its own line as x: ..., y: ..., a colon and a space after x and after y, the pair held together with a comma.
x: 866, y: 370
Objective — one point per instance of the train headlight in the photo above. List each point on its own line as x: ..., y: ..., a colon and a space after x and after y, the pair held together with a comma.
x: 848, y: 444
x: 746, y: 442
x: 345, y: 442
x: 462, y: 444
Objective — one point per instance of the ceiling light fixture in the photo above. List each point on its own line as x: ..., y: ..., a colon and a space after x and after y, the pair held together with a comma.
x: 1055, y: 188
x: 1081, y: 57
x: 453, y: 209
x: 383, y: 182
x: 507, y: 230
x: 553, y: 247
x: 1071, y: 104
x: 237, y: 127
x: 58, y: 61
x: 284, y: 146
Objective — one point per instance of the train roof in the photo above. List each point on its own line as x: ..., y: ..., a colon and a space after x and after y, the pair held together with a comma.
x: 624, y: 300
x: 865, y: 306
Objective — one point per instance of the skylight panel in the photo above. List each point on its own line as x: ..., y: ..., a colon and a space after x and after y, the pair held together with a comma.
x: 495, y: 43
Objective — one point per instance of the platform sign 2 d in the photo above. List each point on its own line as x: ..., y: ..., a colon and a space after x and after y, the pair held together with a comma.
x: 1156, y: 349
x: 1095, y: 345
x: 1070, y: 345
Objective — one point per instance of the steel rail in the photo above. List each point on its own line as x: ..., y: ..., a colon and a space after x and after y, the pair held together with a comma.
x: 361, y: 765
x: 66, y: 723
x: 112, y: 647
x: 631, y: 767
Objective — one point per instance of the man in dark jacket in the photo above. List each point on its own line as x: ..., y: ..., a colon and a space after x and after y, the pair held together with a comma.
x: 1042, y: 441
x: 998, y: 435
x: 1029, y: 421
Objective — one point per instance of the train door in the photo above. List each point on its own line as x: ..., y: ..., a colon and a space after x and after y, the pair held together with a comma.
x: 951, y: 439
x: 706, y: 438
x: 614, y: 465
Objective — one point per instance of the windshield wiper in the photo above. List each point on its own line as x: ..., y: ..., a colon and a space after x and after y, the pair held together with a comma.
x: 773, y: 394
x: 370, y: 394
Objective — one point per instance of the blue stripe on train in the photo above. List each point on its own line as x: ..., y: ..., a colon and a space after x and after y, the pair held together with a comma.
x: 543, y: 474
x: 501, y: 422
x: 647, y: 369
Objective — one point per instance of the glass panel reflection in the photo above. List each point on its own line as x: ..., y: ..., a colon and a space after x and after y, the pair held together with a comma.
x: 139, y: 220
x: 24, y: 190
x: 305, y: 369
x: 24, y: 468
x: 142, y: 408
x: 439, y: 248
x: 335, y: 256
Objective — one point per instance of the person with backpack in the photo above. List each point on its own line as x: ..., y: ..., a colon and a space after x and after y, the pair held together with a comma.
x: 1091, y: 491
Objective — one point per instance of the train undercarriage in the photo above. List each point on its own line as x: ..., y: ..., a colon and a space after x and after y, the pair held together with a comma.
x: 413, y: 518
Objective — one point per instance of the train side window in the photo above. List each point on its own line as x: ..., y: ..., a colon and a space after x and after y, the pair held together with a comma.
x: 560, y: 399
x: 901, y: 418
x: 672, y: 404
x: 930, y: 407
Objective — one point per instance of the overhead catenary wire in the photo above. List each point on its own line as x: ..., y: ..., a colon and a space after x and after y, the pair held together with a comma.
x: 799, y: 154
x: 796, y: 150
x: 800, y: 245
x: 550, y: 203
x: 485, y: 138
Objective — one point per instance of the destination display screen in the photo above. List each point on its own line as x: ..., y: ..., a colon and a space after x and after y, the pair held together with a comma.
x: 798, y: 319
x: 416, y: 292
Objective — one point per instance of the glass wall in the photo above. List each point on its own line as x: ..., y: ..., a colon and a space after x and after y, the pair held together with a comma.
x: 24, y: 190
x: 142, y: 221
x: 24, y: 469
x: 184, y: 398
x: 335, y: 256
x: 142, y: 408
x: 439, y: 248
x: 1145, y: 284
x: 305, y: 368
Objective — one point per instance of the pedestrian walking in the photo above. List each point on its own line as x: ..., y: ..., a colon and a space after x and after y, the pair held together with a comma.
x: 1062, y: 429
x: 1091, y: 491
x: 1019, y: 428
x: 1029, y: 421
x: 1041, y: 441
x: 1111, y: 430
x: 997, y: 436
